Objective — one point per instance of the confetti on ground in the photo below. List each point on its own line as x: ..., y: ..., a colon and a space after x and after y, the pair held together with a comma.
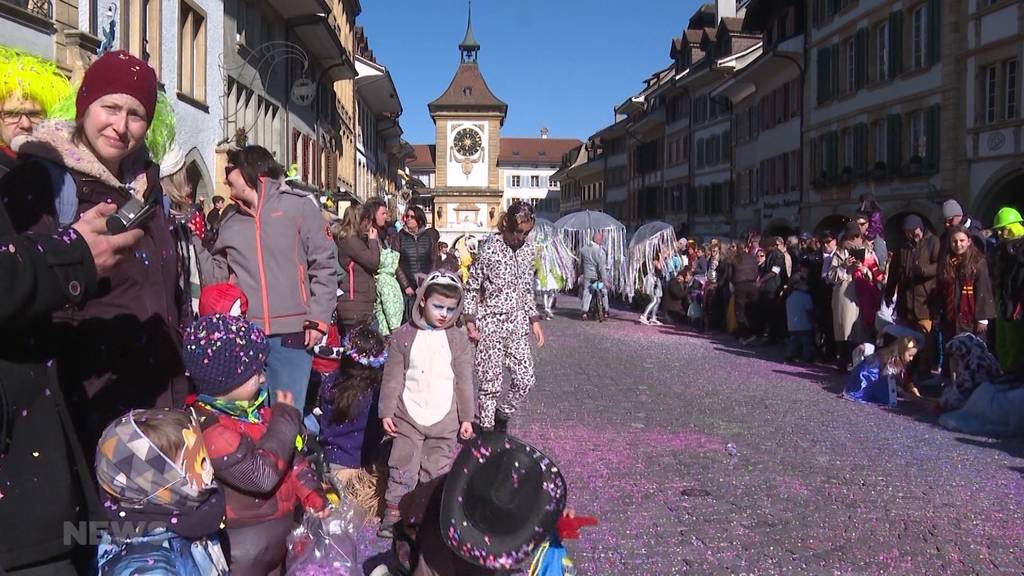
x: 699, y: 456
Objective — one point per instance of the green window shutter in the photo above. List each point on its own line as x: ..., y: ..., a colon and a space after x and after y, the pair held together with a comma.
x: 834, y: 72
x: 933, y: 123
x: 934, y: 31
x: 822, y: 75
x: 893, y: 145
x: 895, y: 43
x: 833, y: 154
x: 861, y: 57
x: 815, y: 170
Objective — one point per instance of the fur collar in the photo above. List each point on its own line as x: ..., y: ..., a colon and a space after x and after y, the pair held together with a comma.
x: 52, y: 140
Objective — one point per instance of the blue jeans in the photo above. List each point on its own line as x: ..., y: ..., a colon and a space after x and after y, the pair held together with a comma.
x: 288, y: 369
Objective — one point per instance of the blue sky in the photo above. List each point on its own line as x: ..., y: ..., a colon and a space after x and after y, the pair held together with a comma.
x: 560, y: 64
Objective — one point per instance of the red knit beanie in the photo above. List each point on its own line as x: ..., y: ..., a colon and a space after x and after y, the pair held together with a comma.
x: 117, y: 72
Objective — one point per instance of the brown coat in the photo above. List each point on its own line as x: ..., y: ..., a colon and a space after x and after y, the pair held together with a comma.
x: 360, y: 258
x: 393, y: 381
x: 912, y: 278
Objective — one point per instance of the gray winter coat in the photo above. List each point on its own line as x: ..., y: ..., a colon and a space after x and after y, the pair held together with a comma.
x: 282, y: 259
x: 592, y: 261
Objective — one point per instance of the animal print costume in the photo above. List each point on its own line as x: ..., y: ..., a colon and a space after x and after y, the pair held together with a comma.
x: 499, y: 297
x: 971, y: 364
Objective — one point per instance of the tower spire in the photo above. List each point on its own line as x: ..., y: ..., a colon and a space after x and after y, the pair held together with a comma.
x: 469, y: 47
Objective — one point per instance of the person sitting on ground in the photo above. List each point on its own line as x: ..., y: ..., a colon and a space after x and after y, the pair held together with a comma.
x: 799, y: 318
x: 874, y: 379
x: 675, y: 298
x: 426, y: 399
x: 155, y: 475
x: 350, y: 431
x: 252, y: 446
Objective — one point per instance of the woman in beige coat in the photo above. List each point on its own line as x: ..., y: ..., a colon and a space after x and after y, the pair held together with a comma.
x: 855, y: 293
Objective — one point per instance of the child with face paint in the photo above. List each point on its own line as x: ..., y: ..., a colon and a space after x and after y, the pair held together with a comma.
x: 426, y: 397
x: 156, y: 484
x: 252, y: 446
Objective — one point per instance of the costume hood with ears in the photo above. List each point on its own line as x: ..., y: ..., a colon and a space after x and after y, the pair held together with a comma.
x: 436, y: 277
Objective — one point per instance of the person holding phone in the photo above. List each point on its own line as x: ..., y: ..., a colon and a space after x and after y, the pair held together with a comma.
x: 856, y: 293
x: 119, y: 350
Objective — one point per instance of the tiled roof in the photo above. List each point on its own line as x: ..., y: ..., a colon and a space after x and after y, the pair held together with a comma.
x: 535, y: 150
x: 468, y: 90
x: 424, y: 157
x: 732, y: 24
x: 693, y: 36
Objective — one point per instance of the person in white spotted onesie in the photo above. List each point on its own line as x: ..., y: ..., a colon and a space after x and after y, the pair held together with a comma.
x: 501, y: 314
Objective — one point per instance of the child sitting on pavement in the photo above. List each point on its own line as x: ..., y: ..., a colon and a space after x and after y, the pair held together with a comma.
x: 252, y: 446
x: 155, y: 477
x: 426, y: 399
x: 350, y: 431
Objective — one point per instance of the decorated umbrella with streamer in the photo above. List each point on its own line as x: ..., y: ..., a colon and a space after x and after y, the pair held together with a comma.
x: 578, y: 228
x: 556, y: 266
x: 648, y: 240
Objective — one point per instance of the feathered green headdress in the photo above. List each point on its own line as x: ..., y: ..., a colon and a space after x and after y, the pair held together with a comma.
x: 31, y: 77
x: 160, y: 135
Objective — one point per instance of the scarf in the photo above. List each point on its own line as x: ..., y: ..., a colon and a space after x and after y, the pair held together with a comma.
x: 248, y: 410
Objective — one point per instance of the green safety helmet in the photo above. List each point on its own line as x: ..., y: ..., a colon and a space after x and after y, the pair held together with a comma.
x: 1005, y: 217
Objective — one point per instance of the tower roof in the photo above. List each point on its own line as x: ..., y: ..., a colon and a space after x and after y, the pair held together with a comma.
x: 468, y: 90
x: 469, y: 46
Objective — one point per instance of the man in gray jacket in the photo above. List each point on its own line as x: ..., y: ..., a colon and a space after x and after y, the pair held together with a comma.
x: 277, y: 248
x: 592, y: 262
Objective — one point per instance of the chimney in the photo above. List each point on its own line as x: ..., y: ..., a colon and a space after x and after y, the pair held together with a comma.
x: 726, y: 9
x: 544, y: 133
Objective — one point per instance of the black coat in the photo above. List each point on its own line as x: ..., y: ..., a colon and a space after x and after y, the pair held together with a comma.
x: 44, y: 478
x: 417, y: 255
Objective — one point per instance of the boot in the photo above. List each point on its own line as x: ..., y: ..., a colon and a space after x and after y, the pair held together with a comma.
x: 501, y: 422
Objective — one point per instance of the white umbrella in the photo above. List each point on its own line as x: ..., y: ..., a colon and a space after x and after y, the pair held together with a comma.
x: 579, y: 227
x: 648, y: 240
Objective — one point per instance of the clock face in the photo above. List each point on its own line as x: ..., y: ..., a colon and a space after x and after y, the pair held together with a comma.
x: 467, y: 142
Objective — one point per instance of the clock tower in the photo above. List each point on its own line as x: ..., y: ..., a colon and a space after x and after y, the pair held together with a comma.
x: 467, y: 120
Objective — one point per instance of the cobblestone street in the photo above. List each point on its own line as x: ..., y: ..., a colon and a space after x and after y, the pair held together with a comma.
x: 641, y: 418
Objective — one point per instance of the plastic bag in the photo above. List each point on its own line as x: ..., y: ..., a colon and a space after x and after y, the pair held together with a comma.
x: 326, y: 546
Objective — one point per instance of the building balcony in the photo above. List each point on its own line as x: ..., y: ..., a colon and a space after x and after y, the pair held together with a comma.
x: 34, y: 14
x: 309, y: 20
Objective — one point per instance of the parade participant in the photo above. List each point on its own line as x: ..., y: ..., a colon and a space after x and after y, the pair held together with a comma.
x: 911, y: 284
x: 277, y: 248
x: 426, y: 398
x: 252, y: 447
x: 553, y: 264
x: 120, y: 350
x: 418, y: 246
x: 350, y: 431
x: 501, y: 313
x: 154, y: 472
x: 964, y: 286
x: 593, y: 268
x: 39, y: 449
x: 875, y: 379
x: 653, y: 288
x: 359, y: 255
x: 1009, y: 287
x: 30, y: 88
x: 187, y: 223
x: 466, y: 253
x: 854, y: 275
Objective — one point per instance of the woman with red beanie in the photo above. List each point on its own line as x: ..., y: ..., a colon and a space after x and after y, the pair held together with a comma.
x: 119, y: 350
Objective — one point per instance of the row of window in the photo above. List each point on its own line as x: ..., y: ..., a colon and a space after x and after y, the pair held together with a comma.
x: 896, y: 145
x: 536, y: 181
x: 773, y: 176
x: 678, y: 150
x: 714, y: 150
x: 999, y: 91
x: 778, y: 107
x: 877, y: 55
x: 707, y: 108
